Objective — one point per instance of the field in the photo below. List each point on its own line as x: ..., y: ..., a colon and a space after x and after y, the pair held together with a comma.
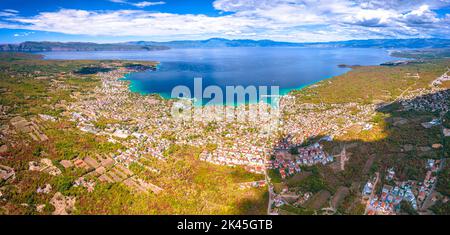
x: 372, y: 84
x: 31, y: 87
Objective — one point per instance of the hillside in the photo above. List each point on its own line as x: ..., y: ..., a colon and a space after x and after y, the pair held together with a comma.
x: 75, y: 46
x: 371, y: 43
x: 221, y: 43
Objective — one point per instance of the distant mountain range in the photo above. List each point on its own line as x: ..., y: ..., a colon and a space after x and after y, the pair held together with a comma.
x: 76, y: 46
x: 220, y: 42
x: 371, y: 43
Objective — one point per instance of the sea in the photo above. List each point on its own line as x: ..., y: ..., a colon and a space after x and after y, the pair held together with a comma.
x: 288, y: 68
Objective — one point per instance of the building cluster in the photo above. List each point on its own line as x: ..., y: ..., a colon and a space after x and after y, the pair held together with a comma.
x: 303, y: 198
x: 305, y: 121
x: 413, y: 192
x: 288, y: 163
x: 45, y: 189
x: 389, y: 200
x: 144, y: 125
x: 369, y: 189
x: 446, y: 132
x: 141, y: 145
x: 64, y: 205
x: 6, y: 173
x: 427, y: 100
x: 390, y: 174
x: 426, y: 188
x: 112, y: 101
x: 279, y: 201
x: 44, y: 165
x: 250, y: 157
x: 254, y: 184
x: 432, y: 123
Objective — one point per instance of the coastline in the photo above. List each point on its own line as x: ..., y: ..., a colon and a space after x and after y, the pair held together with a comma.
x: 134, y: 85
x: 134, y: 88
x: 138, y: 86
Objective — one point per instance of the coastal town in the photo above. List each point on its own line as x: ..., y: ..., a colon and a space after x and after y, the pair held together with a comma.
x: 377, y: 199
x: 295, y: 142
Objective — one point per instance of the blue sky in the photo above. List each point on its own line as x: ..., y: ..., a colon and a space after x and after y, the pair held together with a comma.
x: 281, y: 20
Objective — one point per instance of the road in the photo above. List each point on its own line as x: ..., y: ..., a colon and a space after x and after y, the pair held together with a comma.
x: 271, y: 194
x: 441, y: 166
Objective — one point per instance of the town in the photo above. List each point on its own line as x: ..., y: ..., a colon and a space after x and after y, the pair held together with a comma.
x: 287, y: 151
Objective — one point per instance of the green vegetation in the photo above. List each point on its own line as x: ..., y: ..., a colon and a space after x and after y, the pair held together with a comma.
x: 190, y: 187
x: 75, y: 46
x: 92, y: 70
x: 102, y: 123
x: 443, y: 184
x: 70, y: 143
x: 406, y: 208
x: 313, y: 183
x: 31, y: 87
x: 351, y: 205
x: 386, y: 83
x: 423, y: 53
x: 12, y: 56
x: 139, y: 66
x: 287, y: 209
x: 274, y: 176
x: 397, y: 139
x: 210, y: 147
x: 441, y: 208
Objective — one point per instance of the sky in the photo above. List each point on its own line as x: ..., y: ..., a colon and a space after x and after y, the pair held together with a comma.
x: 167, y: 20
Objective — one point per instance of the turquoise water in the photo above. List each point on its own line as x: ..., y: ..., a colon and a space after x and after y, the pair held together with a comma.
x: 288, y: 68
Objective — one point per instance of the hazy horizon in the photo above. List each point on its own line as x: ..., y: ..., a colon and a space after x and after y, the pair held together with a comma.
x: 237, y: 39
x: 111, y: 21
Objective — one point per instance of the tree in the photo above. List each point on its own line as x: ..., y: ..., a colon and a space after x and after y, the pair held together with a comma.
x: 441, y: 208
x: 405, y: 207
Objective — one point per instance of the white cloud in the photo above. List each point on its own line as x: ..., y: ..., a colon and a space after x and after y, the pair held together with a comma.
x: 8, y: 12
x: 24, y: 34
x: 355, y: 18
x: 139, y: 4
x: 11, y: 11
x: 146, y: 4
x: 129, y: 23
x: 288, y: 20
x: 422, y: 15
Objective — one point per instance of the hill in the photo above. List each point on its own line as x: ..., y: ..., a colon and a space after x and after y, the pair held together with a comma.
x: 371, y: 43
x: 75, y: 46
x: 418, y: 43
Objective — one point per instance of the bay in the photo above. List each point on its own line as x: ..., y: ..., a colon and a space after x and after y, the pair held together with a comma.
x: 288, y: 68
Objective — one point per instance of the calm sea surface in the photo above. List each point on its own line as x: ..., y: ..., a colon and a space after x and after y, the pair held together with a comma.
x: 288, y: 68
